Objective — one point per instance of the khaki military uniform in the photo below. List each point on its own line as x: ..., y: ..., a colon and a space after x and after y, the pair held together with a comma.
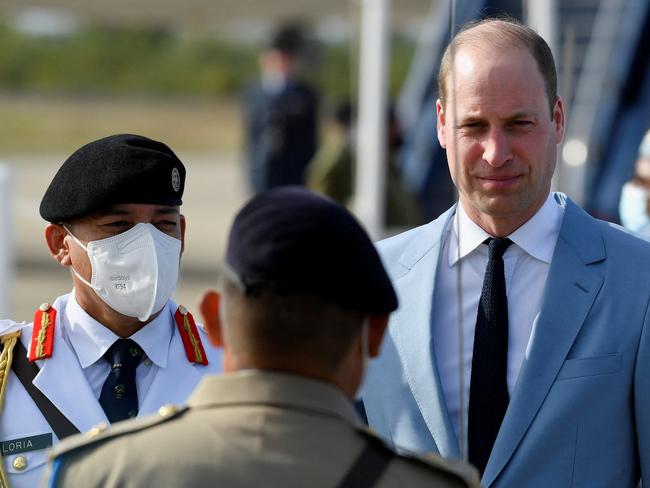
x: 245, y: 429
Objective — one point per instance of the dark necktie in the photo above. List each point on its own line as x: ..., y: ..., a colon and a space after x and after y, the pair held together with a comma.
x: 119, y: 396
x: 488, y: 393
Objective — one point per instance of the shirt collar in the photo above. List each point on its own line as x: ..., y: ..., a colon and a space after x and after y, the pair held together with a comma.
x: 537, y: 236
x: 265, y: 387
x: 155, y: 337
x: 90, y: 339
x: 472, y: 236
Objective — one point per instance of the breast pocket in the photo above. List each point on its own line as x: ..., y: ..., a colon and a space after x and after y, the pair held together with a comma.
x: 25, y: 458
x: 590, y: 366
x: 25, y: 462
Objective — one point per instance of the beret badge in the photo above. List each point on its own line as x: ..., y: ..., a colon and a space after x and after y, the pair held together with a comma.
x: 176, y: 179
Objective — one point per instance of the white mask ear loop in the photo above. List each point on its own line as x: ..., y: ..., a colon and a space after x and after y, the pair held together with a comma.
x: 365, y: 345
x: 83, y: 280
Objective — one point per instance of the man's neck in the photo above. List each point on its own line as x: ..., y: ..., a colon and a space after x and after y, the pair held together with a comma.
x: 340, y: 379
x: 500, y: 225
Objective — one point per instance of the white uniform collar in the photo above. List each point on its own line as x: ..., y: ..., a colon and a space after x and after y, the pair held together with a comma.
x: 536, y: 237
x: 90, y: 339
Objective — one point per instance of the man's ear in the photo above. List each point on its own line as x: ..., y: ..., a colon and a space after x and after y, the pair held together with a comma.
x: 55, y: 239
x: 209, y: 306
x: 441, y: 126
x: 376, y: 329
x: 559, y: 119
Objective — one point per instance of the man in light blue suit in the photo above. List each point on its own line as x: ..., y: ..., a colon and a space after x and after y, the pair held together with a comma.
x: 561, y: 360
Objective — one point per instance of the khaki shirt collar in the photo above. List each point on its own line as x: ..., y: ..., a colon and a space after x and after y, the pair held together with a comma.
x: 273, y: 388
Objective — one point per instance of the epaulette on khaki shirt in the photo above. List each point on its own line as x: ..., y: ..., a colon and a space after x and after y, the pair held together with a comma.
x: 431, y: 461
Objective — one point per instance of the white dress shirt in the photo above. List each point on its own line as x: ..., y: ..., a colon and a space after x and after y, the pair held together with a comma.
x: 526, y: 262
x: 90, y: 340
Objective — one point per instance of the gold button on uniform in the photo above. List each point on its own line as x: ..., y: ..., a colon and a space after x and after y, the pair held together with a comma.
x: 97, y: 429
x: 167, y: 410
x: 182, y: 310
x: 19, y: 463
x: 44, y: 307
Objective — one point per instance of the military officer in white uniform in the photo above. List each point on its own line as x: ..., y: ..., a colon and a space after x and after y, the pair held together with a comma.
x: 304, y: 303
x: 117, y: 346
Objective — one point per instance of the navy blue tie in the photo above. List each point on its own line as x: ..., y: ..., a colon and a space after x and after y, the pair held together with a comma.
x: 119, y: 396
x: 488, y: 393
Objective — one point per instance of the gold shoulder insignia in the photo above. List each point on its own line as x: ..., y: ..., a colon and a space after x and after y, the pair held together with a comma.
x: 190, y: 335
x: 42, y: 343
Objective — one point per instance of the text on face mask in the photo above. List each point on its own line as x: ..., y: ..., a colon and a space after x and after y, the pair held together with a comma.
x: 119, y: 281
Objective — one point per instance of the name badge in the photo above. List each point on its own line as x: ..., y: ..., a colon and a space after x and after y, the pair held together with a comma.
x: 26, y: 444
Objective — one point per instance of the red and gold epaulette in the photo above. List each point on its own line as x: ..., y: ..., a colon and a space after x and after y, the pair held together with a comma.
x: 190, y: 335
x: 42, y: 343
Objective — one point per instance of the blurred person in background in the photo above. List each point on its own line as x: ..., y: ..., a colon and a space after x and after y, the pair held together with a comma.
x: 332, y: 172
x: 634, y: 206
x: 117, y: 346
x: 298, y: 318
x: 281, y: 115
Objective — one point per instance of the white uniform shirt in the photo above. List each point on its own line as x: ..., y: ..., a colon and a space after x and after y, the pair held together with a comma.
x: 526, y: 262
x: 90, y: 341
x: 73, y: 377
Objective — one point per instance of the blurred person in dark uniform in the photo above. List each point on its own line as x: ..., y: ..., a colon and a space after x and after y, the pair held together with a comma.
x: 303, y: 304
x: 281, y: 114
x: 634, y: 207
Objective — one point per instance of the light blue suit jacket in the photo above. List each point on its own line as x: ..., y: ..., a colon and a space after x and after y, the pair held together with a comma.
x: 579, y: 414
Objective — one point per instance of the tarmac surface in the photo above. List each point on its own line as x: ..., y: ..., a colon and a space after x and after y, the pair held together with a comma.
x: 214, y: 190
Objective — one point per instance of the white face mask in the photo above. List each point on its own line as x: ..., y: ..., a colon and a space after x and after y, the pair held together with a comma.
x: 633, y: 207
x: 134, y: 272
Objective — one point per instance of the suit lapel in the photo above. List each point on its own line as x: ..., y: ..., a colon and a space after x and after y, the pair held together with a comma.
x: 570, y: 292
x: 411, y: 329
x: 61, y: 379
x: 174, y: 383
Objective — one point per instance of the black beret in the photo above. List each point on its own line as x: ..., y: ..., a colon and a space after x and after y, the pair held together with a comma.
x: 288, y: 39
x: 292, y: 241
x: 123, y: 168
